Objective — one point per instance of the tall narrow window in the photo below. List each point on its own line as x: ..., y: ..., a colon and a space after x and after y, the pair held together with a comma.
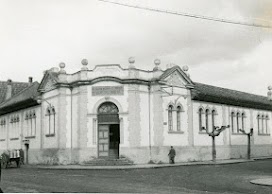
x: 232, y: 122
x: 200, y: 113
x: 243, y: 121
x: 207, y: 112
x: 263, y: 118
x: 2, y: 130
x: 213, y: 118
x: 178, y: 118
x: 54, y: 120
x: 34, y: 124
x: 48, y: 113
x: 266, y: 125
x: 258, y: 123
x: 27, y: 124
x: 170, y: 118
x: 238, y: 123
x: 14, y: 131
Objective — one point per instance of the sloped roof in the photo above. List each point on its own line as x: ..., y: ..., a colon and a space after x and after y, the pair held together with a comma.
x: 171, y: 70
x: 25, y: 98
x: 49, y: 74
x: 208, y: 93
x: 16, y: 88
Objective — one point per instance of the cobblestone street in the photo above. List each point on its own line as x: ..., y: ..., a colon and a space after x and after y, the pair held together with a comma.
x: 231, y: 178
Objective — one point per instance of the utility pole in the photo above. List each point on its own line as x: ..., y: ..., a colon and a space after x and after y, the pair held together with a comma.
x: 215, y: 132
x: 249, y: 134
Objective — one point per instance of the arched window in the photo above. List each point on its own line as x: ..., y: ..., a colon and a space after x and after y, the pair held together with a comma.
x: 51, y: 113
x: 238, y: 123
x: 26, y: 116
x: 243, y: 121
x: 48, y: 112
x: 213, y: 118
x: 207, y: 112
x: 108, y: 108
x: 170, y: 118
x: 232, y: 122
x: 266, y: 124
x: 258, y: 123
x: 263, y: 118
x: 178, y: 118
x: 30, y: 115
x: 200, y: 113
x: 108, y: 112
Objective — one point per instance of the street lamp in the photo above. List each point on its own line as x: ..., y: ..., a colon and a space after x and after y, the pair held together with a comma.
x: 215, y: 132
x: 249, y: 134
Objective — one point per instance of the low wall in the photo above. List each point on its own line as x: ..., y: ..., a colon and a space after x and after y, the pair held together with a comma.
x: 143, y: 155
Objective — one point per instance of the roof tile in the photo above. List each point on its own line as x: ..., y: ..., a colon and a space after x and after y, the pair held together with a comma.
x: 16, y: 88
x: 208, y: 93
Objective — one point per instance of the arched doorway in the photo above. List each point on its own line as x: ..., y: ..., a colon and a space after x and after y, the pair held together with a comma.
x: 108, y: 130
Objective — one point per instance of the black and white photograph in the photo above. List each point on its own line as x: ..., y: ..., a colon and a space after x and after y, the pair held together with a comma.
x: 136, y: 96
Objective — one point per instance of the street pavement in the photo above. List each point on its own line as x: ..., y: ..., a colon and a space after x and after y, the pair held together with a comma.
x: 227, y: 178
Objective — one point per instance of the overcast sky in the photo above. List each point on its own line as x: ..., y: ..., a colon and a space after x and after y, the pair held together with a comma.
x: 36, y: 35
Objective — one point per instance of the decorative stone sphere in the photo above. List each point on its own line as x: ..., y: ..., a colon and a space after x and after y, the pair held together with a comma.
x: 185, y: 68
x: 62, y: 65
x: 84, y: 62
x: 157, y: 62
x: 270, y: 87
x: 131, y: 60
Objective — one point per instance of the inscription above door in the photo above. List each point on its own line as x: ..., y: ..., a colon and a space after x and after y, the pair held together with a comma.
x: 107, y: 90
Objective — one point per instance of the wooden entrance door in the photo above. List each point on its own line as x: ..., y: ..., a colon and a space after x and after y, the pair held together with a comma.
x: 103, y: 140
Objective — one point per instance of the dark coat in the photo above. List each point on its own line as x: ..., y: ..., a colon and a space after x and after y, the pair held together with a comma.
x: 172, y: 152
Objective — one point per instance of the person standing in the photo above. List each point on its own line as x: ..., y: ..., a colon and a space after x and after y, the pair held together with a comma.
x: 172, y: 154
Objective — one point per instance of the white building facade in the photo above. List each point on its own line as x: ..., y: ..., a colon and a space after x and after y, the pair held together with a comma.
x: 110, y: 112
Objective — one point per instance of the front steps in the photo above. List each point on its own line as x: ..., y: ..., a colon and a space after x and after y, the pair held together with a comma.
x: 108, y: 162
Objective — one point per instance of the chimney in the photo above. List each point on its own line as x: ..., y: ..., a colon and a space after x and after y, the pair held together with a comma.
x: 30, y: 80
x: 9, y: 89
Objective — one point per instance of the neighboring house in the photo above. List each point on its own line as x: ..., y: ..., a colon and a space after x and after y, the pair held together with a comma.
x: 111, y: 112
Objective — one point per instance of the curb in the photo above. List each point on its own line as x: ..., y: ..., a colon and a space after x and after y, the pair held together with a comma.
x: 263, y: 182
x: 127, y: 167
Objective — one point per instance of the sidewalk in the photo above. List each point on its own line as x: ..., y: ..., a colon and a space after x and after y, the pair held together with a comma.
x: 264, y: 182
x: 140, y: 166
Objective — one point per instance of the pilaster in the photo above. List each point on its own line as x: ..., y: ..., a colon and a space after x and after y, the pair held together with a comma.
x: 82, y: 117
x: 62, y: 118
x: 158, y: 111
x: 134, y: 118
x: 190, y: 119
